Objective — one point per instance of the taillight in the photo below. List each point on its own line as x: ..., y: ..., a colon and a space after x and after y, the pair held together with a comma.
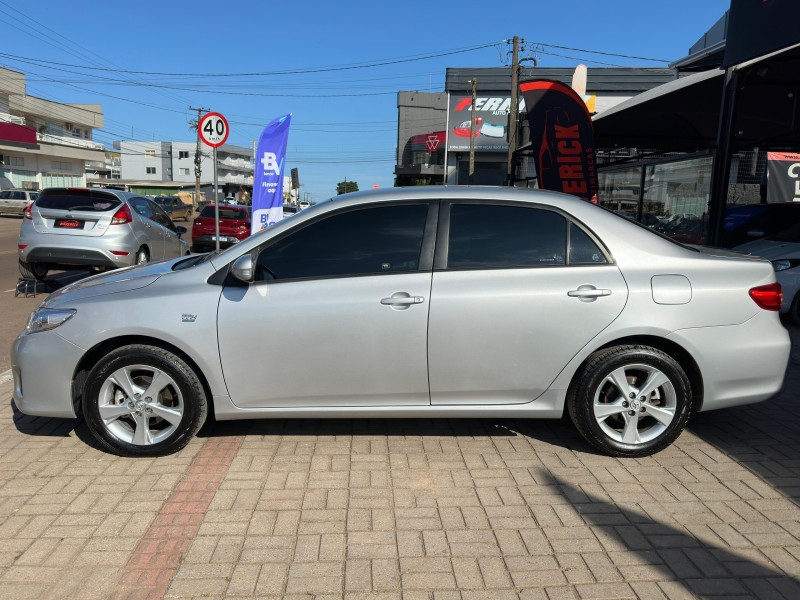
x: 122, y: 216
x: 28, y: 211
x: 768, y: 297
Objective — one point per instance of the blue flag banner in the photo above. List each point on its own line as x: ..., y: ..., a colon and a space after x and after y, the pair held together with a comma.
x: 268, y: 180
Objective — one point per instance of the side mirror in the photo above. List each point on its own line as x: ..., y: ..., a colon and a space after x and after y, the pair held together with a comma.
x: 242, y: 268
x: 180, y: 230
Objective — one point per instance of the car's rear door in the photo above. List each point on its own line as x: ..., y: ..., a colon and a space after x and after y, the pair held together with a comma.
x: 346, y: 297
x: 147, y: 231
x: 517, y: 291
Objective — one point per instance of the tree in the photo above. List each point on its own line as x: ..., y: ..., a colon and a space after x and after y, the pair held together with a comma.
x: 345, y: 187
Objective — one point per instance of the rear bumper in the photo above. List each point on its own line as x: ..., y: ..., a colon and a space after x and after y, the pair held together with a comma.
x: 75, y: 256
x: 741, y: 364
x: 207, y: 241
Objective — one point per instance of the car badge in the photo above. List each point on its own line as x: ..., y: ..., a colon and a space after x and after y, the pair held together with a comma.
x: 187, y: 318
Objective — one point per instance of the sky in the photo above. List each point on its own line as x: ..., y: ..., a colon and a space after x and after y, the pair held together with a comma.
x: 336, y: 66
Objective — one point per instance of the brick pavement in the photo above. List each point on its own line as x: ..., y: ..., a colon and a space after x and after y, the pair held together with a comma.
x: 411, y: 509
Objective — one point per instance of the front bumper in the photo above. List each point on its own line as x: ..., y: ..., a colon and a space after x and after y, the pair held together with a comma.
x: 43, y: 365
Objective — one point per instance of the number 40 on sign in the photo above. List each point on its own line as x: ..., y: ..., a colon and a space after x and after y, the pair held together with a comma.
x: 213, y: 129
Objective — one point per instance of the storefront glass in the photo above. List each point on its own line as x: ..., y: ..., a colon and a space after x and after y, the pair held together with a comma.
x: 620, y: 191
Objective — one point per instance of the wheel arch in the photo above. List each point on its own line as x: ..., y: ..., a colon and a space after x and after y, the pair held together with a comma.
x: 94, y: 354
x: 676, y: 351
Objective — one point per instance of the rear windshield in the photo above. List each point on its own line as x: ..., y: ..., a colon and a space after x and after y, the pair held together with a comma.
x: 86, y: 200
x: 224, y: 213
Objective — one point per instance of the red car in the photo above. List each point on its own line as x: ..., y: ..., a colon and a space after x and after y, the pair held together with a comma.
x: 234, y: 226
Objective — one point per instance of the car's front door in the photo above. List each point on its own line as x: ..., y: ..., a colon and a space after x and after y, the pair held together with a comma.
x: 337, y: 314
x: 517, y: 291
x: 171, y: 242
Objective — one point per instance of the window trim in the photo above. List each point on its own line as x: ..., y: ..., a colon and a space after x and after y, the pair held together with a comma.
x: 443, y: 237
x: 427, y: 249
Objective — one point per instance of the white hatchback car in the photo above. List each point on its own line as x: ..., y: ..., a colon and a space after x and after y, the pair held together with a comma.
x: 14, y: 202
x: 414, y: 302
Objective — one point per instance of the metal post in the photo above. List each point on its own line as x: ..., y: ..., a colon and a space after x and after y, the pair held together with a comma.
x: 216, y: 201
x: 474, y: 83
x: 721, y: 167
x: 512, y: 116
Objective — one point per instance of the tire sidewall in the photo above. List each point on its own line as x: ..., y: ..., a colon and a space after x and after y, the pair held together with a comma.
x: 581, y: 405
x: 194, y: 402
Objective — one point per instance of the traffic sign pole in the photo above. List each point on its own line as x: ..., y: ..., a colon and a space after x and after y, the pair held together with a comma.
x: 213, y: 130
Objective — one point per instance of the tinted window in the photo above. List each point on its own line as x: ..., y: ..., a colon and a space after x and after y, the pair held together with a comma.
x: 78, y: 200
x: 224, y: 213
x: 387, y: 239
x: 582, y: 249
x: 505, y: 236
x: 142, y: 207
x: 160, y: 217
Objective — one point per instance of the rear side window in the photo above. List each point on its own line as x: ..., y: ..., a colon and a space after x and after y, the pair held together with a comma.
x: 85, y: 200
x: 497, y: 236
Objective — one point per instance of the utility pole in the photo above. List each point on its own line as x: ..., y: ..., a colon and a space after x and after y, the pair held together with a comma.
x: 474, y: 84
x: 197, y: 156
x: 513, y: 115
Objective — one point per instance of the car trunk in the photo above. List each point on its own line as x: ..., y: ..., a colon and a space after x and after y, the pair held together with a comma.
x: 74, y: 212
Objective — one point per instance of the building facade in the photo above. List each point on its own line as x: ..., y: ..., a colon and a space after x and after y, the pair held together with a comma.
x: 44, y: 143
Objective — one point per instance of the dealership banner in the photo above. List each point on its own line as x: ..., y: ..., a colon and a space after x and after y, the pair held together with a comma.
x: 562, y: 138
x: 268, y: 180
x: 783, y: 172
x: 491, y: 122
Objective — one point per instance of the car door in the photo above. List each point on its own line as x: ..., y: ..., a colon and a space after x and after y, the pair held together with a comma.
x: 148, y: 232
x: 337, y: 314
x: 517, y: 291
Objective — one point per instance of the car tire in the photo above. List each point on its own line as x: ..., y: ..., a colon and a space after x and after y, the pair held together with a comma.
x: 129, y: 419
x: 611, y: 409
x: 37, y: 271
x: 794, y: 310
x: 142, y: 256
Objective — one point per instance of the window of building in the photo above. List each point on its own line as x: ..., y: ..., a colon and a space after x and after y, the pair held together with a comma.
x: 77, y: 132
x: 151, y: 170
x: 183, y: 154
x: 183, y: 171
x: 58, y: 165
x: 16, y: 161
x: 497, y: 236
x: 371, y: 241
x: 150, y: 153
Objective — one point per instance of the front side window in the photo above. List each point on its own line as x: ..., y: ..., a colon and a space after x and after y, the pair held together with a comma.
x: 368, y: 241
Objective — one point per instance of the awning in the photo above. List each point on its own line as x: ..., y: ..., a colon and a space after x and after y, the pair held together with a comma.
x: 683, y: 115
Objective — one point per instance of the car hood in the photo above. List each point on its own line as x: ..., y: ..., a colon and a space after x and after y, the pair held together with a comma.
x: 770, y: 249
x: 113, y: 282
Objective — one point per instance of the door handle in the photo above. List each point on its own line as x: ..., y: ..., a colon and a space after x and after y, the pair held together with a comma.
x: 588, y: 293
x: 402, y: 300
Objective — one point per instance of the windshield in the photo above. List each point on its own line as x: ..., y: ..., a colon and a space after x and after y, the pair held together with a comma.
x: 85, y: 200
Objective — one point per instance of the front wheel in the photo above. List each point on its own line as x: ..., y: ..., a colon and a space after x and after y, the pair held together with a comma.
x: 143, y: 400
x: 37, y: 271
x: 630, y: 400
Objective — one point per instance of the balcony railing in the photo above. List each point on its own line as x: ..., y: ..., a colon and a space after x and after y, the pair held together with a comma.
x: 7, y: 118
x: 238, y: 179
x: 69, y: 141
x: 237, y: 163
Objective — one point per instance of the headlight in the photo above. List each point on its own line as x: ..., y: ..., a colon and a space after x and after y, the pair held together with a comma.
x: 43, y: 319
x: 785, y: 263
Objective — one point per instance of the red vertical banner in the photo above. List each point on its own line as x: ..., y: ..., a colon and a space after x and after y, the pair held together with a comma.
x: 562, y: 137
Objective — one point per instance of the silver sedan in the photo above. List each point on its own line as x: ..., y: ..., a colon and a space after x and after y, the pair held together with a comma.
x: 425, y: 302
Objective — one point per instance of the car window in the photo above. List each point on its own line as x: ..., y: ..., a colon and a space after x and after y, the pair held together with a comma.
x: 582, y: 249
x: 161, y: 217
x: 85, y: 200
x: 498, y: 236
x: 142, y: 207
x: 224, y: 213
x: 369, y: 241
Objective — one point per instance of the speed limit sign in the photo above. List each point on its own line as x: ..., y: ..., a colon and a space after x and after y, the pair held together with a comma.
x: 213, y: 129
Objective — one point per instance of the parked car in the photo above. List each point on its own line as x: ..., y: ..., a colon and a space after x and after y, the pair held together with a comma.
x: 174, y: 207
x: 14, y: 202
x: 234, y: 226
x: 783, y: 250
x: 749, y: 222
x: 72, y: 228
x: 414, y: 302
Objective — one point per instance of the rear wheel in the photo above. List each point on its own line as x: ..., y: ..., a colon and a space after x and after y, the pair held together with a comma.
x: 142, y: 256
x: 36, y: 271
x: 630, y: 400
x: 143, y: 401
